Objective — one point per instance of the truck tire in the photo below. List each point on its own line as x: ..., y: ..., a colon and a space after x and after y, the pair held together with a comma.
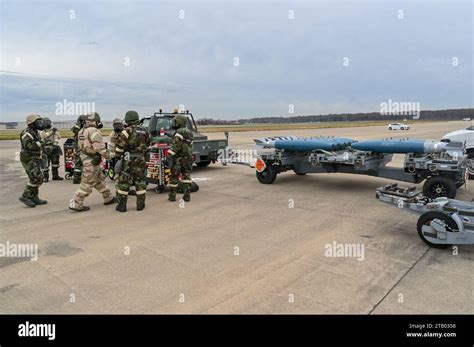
x: 439, y: 186
x: 426, y: 218
x: 203, y: 163
x: 389, y: 128
x: 268, y: 175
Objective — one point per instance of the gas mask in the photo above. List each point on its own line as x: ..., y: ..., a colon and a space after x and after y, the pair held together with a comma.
x: 39, y: 124
x: 47, y: 124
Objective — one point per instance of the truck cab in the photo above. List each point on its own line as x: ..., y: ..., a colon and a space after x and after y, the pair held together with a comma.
x: 467, y: 137
x: 161, y: 128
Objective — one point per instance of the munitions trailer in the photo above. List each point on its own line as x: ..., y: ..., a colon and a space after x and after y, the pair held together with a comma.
x: 443, y: 222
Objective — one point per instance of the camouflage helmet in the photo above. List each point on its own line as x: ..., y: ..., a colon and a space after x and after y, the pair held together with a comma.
x: 93, y: 116
x: 131, y: 116
x: 32, y: 118
x: 117, y: 121
x: 92, y: 119
x: 181, y: 120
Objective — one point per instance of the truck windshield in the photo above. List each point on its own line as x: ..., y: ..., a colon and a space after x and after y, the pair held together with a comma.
x: 146, y: 122
x: 163, y: 122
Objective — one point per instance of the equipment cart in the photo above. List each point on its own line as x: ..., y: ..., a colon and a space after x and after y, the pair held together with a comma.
x: 157, y: 172
x: 443, y: 222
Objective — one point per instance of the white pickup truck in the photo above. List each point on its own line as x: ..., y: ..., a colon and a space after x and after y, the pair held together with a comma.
x: 466, y: 136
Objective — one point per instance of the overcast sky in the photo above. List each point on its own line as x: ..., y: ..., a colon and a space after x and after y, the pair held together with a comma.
x: 324, y: 57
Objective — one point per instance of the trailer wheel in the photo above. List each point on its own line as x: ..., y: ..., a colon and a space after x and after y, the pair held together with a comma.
x: 203, y: 163
x: 426, y: 219
x: 268, y: 175
x: 299, y: 173
x: 439, y: 186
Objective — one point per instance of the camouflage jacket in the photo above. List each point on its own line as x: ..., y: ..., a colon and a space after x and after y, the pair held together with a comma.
x: 134, y: 139
x: 75, y: 130
x: 50, y: 137
x: 113, y: 141
x: 182, y: 144
x: 90, y: 143
x: 31, y: 142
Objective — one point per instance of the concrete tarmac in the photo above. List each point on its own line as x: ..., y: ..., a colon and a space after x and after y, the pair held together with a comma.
x: 238, y: 247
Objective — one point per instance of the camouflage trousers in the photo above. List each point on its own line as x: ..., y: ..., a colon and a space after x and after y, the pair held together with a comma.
x: 92, y: 177
x: 51, y: 156
x: 32, y: 169
x: 181, y: 167
x: 133, y: 173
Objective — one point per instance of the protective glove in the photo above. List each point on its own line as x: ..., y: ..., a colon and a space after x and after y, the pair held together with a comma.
x: 96, y: 159
x: 169, y: 161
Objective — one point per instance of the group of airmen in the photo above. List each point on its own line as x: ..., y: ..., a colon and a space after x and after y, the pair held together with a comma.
x: 129, y: 143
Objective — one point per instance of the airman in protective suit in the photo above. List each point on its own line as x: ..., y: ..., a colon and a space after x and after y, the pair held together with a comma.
x: 130, y: 150
x: 30, y: 157
x: 51, y: 150
x: 77, y: 160
x: 180, y: 159
x: 92, y: 150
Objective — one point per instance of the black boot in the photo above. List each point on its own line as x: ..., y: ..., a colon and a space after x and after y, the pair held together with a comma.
x: 121, y: 203
x: 45, y: 176
x: 36, y: 198
x: 172, y: 194
x: 140, y: 202
x: 56, y: 176
x: 27, y: 197
x: 38, y: 201
x: 28, y: 202
x: 76, y: 179
x: 187, y: 195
